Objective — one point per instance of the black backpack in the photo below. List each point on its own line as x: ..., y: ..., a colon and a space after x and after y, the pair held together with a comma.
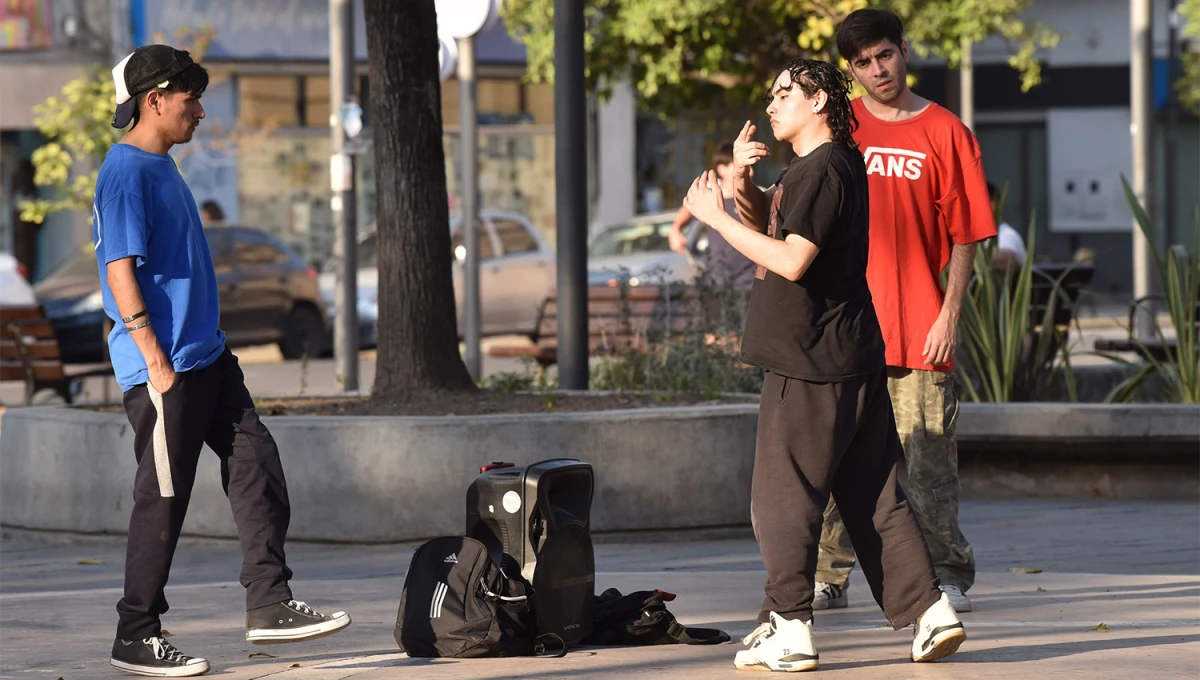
x: 458, y: 603
x: 641, y: 618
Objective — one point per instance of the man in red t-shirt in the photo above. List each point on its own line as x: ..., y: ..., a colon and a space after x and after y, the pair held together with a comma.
x: 929, y: 206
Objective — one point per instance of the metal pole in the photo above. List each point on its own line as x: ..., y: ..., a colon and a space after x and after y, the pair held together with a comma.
x: 341, y: 168
x: 469, y: 142
x: 570, y: 162
x: 967, y: 84
x: 1141, y: 129
x: 1171, y: 141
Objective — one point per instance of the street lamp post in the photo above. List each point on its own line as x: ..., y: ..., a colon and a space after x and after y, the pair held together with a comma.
x: 345, y: 122
x: 570, y: 163
x: 1141, y: 130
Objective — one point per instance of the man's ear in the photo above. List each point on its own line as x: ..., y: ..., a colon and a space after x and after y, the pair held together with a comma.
x: 820, y: 99
x: 154, y: 100
x: 904, y: 50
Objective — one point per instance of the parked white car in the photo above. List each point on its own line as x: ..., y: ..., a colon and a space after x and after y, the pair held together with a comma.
x: 14, y: 287
x: 639, y: 250
x: 516, y: 272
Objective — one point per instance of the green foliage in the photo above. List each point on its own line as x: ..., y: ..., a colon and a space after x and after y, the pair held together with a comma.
x: 1179, y: 281
x: 1188, y: 86
x: 1004, y: 356
x: 689, y: 365
x: 702, y: 359
x: 684, y: 53
x: 79, y: 127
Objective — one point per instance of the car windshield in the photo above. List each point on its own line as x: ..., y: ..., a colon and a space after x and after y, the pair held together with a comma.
x: 625, y: 239
x: 82, y: 263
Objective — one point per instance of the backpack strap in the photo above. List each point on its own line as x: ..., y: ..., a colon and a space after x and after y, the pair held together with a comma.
x: 539, y: 646
x: 690, y: 635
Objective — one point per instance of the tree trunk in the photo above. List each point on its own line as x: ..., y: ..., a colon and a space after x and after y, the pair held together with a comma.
x: 418, y: 334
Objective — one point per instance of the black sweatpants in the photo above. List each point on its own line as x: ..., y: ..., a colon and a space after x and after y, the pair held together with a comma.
x: 839, y: 437
x: 208, y: 405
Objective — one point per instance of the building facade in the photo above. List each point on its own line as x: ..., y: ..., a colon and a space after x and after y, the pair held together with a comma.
x: 44, y: 44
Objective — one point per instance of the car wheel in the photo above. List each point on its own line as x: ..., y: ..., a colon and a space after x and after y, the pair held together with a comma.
x: 303, y: 334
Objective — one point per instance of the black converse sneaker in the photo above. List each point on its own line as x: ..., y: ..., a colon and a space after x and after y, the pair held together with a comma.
x: 155, y: 656
x: 291, y: 621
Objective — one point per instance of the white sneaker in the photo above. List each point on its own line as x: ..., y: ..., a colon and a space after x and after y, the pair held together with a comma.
x: 779, y: 645
x: 958, y: 599
x: 938, y: 632
x: 829, y: 596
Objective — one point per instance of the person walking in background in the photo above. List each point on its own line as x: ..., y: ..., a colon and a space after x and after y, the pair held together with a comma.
x: 182, y: 386
x: 725, y: 268
x: 929, y: 209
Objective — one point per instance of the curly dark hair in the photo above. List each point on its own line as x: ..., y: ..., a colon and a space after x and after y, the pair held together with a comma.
x: 813, y: 75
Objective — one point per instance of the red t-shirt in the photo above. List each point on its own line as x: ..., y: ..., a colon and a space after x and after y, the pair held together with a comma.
x: 927, y: 193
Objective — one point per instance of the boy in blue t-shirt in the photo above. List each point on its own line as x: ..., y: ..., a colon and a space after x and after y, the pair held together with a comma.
x: 182, y: 386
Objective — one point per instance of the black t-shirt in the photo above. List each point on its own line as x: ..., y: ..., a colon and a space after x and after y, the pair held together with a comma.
x: 823, y: 327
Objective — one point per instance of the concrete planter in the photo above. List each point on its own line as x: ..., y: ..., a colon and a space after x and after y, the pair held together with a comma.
x: 392, y: 478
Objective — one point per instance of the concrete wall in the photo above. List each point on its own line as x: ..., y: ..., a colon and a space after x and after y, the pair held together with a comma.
x: 392, y: 479
x: 380, y: 479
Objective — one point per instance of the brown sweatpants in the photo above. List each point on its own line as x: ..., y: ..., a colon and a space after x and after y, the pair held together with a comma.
x: 815, y: 439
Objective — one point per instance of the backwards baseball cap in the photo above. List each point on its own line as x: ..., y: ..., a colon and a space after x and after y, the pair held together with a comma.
x: 146, y: 68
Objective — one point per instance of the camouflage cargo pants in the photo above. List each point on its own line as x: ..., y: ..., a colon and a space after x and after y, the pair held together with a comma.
x: 926, y: 408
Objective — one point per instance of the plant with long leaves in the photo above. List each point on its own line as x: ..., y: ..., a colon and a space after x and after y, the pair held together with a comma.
x: 1179, y: 279
x: 1004, y: 355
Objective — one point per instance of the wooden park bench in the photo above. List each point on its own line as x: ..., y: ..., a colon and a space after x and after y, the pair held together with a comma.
x: 1075, y: 277
x: 29, y: 352
x: 1158, y: 348
x: 618, y: 321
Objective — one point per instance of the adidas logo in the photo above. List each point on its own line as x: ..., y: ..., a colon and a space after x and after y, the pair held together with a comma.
x: 452, y: 559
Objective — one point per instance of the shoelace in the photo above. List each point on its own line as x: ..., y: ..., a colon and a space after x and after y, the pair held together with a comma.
x: 164, y: 650
x: 302, y: 608
x: 762, y: 630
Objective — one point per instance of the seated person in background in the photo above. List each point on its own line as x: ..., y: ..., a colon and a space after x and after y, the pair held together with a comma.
x: 1010, y: 247
x: 211, y: 214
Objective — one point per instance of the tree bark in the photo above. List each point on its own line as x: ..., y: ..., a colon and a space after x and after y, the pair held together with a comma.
x: 418, y: 332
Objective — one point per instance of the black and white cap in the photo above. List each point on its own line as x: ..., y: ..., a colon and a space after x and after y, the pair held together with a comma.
x: 145, y: 68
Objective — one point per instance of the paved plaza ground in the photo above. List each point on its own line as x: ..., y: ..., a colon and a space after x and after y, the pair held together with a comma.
x: 1132, y: 566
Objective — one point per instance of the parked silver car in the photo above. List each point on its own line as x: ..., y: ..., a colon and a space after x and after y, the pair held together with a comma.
x: 516, y: 272
x: 638, y: 250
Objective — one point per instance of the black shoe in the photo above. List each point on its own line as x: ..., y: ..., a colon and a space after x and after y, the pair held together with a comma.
x: 155, y: 656
x: 291, y: 621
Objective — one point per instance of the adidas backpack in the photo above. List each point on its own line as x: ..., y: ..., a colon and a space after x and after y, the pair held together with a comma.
x: 458, y: 603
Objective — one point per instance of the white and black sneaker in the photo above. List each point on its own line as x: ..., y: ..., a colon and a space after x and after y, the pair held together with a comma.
x: 829, y: 596
x: 155, y: 656
x: 779, y: 645
x: 938, y: 632
x: 291, y: 621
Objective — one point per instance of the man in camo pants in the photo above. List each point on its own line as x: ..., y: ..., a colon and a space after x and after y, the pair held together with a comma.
x: 929, y: 207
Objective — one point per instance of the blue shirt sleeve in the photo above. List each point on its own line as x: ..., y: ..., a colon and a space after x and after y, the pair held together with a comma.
x: 121, y: 228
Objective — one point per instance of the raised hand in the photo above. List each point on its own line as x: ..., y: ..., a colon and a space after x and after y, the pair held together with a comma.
x: 704, y: 200
x: 746, y: 151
